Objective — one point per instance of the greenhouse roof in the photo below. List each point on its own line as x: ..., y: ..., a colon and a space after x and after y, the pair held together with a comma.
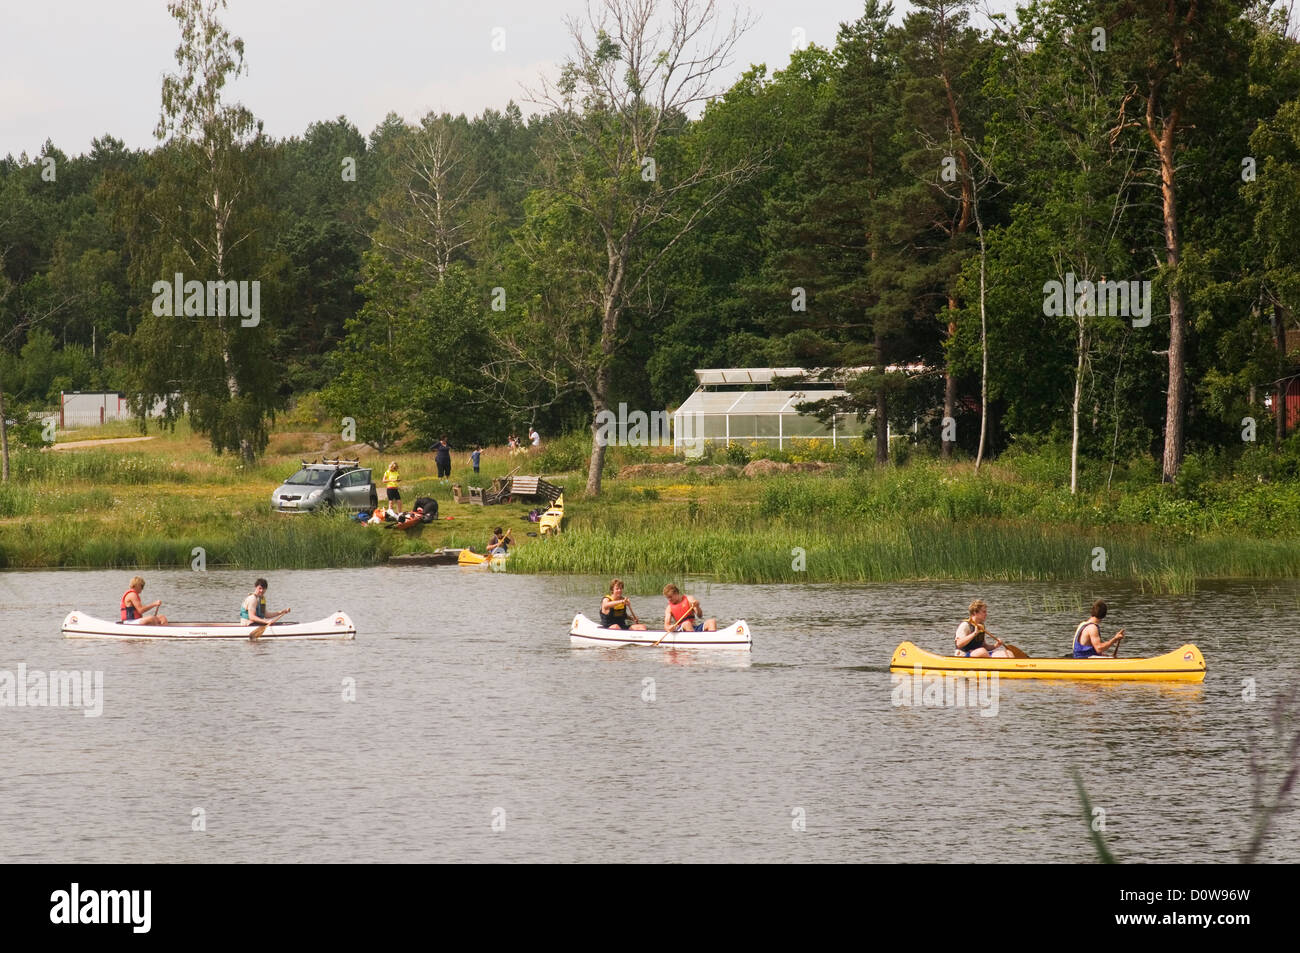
x: 712, y: 376
x: 752, y: 401
x: 717, y: 376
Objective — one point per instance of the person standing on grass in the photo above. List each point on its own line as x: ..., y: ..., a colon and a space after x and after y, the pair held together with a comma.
x: 474, y: 458
x: 133, y: 610
x: 391, y: 480
x: 534, y: 437
x: 442, y: 457
x: 253, y: 611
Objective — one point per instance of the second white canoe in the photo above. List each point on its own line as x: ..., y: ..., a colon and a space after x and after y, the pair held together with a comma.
x: 588, y: 633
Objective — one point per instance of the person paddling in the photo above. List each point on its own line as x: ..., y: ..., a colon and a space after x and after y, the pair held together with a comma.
x: 971, y: 635
x: 499, y: 544
x: 1087, y: 636
x: 683, y: 613
x: 253, y: 611
x: 615, y: 609
x: 133, y: 610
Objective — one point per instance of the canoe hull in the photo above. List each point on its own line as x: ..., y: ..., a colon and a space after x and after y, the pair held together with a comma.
x: 468, y: 558
x: 585, y: 632
x: 1185, y: 664
x: 336, y: 627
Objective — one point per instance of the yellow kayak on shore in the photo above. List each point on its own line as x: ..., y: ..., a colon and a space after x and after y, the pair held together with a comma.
x: 1185, y: 664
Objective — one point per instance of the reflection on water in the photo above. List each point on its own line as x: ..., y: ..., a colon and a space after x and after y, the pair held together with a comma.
x: 667, y: 655
x: 470, y: 705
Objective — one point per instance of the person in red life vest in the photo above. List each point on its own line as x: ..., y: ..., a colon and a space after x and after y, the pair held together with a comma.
x: 133, y: 610
x: 683, y: 613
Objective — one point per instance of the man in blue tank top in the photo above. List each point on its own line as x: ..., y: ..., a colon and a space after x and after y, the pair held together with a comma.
x: 1087, y: 635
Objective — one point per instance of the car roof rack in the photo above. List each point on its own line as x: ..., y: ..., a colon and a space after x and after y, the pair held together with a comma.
x: 330, y: 463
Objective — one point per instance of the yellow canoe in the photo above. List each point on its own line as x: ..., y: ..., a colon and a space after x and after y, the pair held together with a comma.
x: 1186, y: 664
x: 467, y: 558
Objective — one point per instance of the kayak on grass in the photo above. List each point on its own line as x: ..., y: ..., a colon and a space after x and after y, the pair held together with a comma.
x: 1185, y: 664
x: 588, y: 633
x: 79, y: 625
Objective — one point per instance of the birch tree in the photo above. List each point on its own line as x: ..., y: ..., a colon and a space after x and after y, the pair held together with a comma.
x: 616, y: 189
x: 202, y: 214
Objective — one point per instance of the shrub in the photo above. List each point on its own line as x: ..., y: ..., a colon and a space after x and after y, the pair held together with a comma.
x: 564, y: 454
x: 736, y: 454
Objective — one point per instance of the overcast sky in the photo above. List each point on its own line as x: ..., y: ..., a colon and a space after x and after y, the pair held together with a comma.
x: 71, y: 70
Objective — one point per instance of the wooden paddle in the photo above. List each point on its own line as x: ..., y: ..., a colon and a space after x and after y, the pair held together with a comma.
x: 257, y: 633
x: 676, y: 625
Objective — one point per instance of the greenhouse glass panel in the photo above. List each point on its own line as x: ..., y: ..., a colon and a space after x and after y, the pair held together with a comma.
x: 743, y: 427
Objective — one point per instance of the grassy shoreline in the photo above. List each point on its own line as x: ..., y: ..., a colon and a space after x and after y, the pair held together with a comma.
x: 156, y: 504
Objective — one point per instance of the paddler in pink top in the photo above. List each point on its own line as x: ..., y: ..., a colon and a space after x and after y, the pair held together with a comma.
x: 680, y: 609
x: 133, y: 610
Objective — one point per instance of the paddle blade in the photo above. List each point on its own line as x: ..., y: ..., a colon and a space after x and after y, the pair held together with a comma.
x: 1016, y: 651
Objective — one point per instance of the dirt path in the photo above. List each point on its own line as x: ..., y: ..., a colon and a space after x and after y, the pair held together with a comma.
x: 80, y: 444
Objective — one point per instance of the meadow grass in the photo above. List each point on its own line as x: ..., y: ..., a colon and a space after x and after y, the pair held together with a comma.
x: 154, y: 504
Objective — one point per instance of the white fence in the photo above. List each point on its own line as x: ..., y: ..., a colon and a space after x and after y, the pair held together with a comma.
x: 78, y: 409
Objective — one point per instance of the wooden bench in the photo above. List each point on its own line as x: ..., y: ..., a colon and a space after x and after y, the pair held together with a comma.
x: 509, y: 489
x: 524, y: 485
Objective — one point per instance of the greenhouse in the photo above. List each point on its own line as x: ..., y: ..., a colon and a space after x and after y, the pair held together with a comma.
x: 744, y: 405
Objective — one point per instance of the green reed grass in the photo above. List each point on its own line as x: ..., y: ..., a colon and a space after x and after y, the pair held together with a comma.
x: 718, y: 545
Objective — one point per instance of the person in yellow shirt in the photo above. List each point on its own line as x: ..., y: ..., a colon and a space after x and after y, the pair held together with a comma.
x: 391, y: 480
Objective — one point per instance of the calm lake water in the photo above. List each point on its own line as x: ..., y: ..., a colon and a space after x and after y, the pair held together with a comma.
x: 472, y: 712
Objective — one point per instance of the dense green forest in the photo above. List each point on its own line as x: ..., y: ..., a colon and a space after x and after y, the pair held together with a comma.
x: 937, y: 190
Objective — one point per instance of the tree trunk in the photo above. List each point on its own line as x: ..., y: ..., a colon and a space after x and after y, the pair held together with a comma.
x: 949, y: 384
x: 614, y: 283
x: 984, y: 343
x: 597, y: 461
x: 1176, y: 399
x: 1279, y: 399
x: 1074, y: 407
x: 882, y: 407
x: 4, y: 435
x: 963, y: 222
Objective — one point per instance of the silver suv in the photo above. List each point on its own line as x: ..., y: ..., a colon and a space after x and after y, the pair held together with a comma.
x: 326, y: 484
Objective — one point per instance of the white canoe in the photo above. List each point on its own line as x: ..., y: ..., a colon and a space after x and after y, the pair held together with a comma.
x: 79, y: 625
x: 735, y: 636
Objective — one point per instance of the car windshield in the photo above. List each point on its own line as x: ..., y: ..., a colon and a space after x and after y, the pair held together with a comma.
x: 307, y: 477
